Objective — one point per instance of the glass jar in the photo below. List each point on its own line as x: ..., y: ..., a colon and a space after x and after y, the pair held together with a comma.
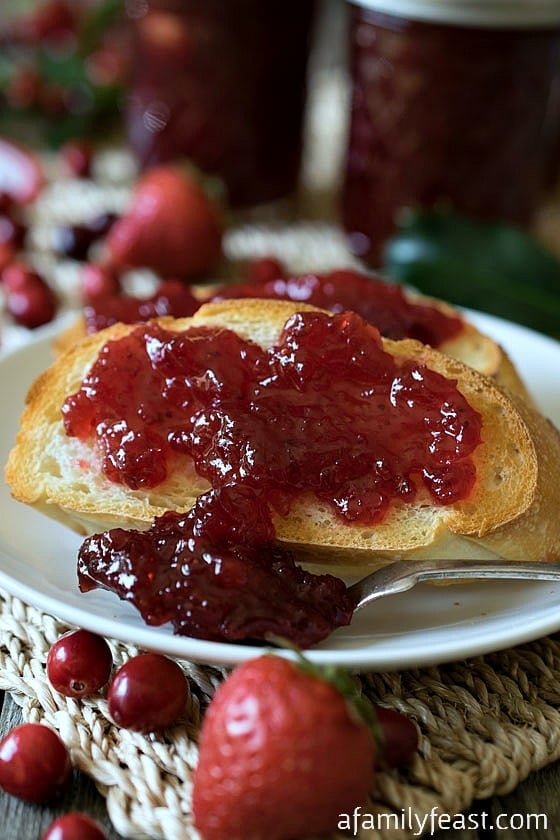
x: 223, y: 84
x: 453, y: 104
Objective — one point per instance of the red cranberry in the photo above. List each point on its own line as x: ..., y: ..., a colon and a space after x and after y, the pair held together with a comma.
x: 34, y: 763
x: 264, y: 270
x: 79, y: 663
x: 399, y: 736
x: 29, y: 300
x: 74, y: 826
x: 98, y: 281
x: 148, y: 693
x: 77, y: 158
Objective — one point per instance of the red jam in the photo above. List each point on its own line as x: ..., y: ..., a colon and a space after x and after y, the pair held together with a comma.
x: 382, y: 304
x: 223, y: 84
x: 325, y: 411
x: 172, y: 298
x: 216, y: 573
x: 454, y: 114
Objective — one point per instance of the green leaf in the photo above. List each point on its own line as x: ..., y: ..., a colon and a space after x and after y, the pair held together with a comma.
x: 486, y: 266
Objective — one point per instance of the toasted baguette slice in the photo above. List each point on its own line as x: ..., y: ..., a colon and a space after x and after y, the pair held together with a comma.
x: 512, y: 511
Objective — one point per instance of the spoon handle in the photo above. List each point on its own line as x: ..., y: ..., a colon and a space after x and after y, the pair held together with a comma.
x: 405, y: 574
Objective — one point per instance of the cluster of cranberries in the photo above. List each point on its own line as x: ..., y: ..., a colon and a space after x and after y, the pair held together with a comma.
x: 147, y: 693
x: 29, y: 300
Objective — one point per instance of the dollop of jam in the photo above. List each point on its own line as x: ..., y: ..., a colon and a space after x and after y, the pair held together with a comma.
x: 325, y: 411
x: 216, y: 573
x: 381, y: 303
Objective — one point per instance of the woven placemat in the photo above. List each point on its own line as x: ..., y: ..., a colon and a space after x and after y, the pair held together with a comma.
x: 484, y: 724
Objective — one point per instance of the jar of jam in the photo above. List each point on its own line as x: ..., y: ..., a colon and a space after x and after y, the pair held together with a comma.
x: 223, y: 84
x: 454, y: 104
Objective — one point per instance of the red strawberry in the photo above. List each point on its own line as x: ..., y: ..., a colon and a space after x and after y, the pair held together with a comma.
x: 282, y: 753
x: 172, y: 226
x: 21, y: 173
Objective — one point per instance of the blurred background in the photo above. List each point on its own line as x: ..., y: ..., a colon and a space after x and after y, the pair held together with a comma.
x: 426, y: 133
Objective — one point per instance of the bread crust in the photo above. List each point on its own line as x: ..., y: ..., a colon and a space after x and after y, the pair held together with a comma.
x: 511, y: 512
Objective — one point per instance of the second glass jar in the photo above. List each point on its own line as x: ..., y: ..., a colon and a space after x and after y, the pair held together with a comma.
x: 224, y: 84
x: 450, y: 110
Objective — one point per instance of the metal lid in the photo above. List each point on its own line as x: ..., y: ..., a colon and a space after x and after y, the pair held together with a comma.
x: 506, y: 14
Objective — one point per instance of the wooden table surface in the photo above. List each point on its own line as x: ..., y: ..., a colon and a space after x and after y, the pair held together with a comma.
x: 538, y: 795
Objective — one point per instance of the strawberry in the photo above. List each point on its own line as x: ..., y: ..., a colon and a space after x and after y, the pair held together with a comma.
x: 285, y: 749
x: 173, y: 226
x: 21, y: 173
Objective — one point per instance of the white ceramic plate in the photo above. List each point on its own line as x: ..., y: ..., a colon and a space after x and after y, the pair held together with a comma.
x: 426, y: 626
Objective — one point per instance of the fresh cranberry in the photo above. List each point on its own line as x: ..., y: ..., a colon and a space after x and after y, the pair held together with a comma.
x: 264, y: 270
x: 29, y: 299
x: 79, y: 663
x: 77, y: 156
x: 74, y: 826
x: 34, y: 763
x: 399, y: 736
x: 148, y: 693
x: 98, y: 281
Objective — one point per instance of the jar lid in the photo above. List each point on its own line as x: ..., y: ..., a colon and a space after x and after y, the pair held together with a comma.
x: 528, y: 14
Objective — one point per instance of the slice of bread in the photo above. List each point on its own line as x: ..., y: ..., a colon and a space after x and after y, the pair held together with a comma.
x: 512, y: 511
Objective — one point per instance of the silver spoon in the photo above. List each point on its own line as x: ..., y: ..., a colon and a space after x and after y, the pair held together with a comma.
x: 405, y: 574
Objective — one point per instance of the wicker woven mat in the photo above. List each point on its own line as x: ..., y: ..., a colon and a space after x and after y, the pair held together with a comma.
x: 485, y: 724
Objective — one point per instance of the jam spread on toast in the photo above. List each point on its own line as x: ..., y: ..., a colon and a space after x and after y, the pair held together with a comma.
x: 325, y: 411
x: 216, y: 573
x: 381, y: 303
